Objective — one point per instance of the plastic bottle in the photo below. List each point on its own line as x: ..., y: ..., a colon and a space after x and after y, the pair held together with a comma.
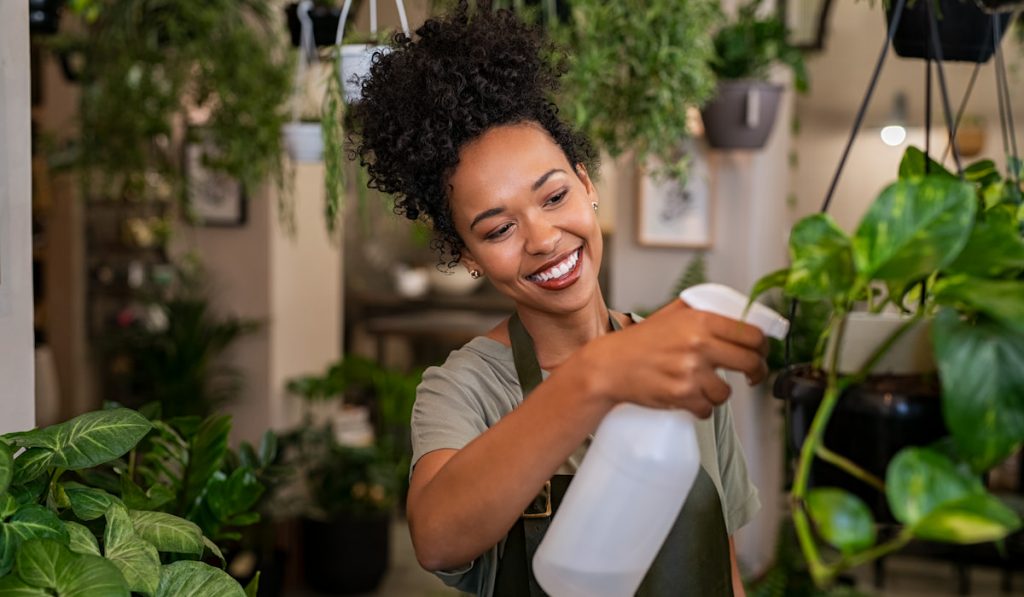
x: 632, y: 484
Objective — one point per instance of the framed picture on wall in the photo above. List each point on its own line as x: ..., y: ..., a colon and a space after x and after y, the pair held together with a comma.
x: 214, y: 198
x: 674, y: 215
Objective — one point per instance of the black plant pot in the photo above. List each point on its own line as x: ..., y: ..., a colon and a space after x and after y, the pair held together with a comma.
x: 346, y: 556
x: 871, y: 422
x: 325, y: 24
x: 965, y: 32
x: 741, y: 115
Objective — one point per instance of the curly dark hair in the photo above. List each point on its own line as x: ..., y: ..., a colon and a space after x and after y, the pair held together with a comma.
x: 424, y: 100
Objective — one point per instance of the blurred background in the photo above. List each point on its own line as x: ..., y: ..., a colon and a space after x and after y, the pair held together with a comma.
x: 187, y: 236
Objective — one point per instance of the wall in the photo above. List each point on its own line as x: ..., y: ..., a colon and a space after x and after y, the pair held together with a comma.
x: 17, y: 391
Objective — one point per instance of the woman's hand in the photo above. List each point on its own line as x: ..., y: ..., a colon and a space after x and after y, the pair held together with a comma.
x: 670, y: 359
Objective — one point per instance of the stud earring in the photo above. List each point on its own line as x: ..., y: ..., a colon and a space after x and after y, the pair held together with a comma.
x: 475, y: 274
x: 594, y: 205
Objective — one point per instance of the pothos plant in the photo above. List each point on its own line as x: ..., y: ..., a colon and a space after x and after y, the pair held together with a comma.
x: 59, y: 536
x: 946, y: 250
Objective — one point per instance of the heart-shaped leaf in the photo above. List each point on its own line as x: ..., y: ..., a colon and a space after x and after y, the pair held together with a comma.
x: 914, y: 228
x: 47, y: 564
x: 88, y: 503
x: 210, y: 545
x: 994, y: 247
x: 920, y: 480
x: 12, y: 586
x: 973, y: 519
x: 168, y: 532
x: 822, y: 260
x: 36, y: 522
x: 82, y: 539
x: 89, y: 439
x: 8, y: 506
x: 196, y: 579
x: 776, y: 279
x: 842, y: 519
x: 981, y: 366
x: 136, y: 558
x: 913, y: 165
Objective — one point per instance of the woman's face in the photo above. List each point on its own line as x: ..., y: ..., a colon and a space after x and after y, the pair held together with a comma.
x: 526, y: 218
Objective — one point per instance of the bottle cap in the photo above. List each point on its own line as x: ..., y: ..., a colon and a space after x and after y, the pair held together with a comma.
x: 728, y: 302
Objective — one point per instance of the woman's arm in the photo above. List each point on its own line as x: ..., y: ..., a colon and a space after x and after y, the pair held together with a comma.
x: 738, y: 590
x: 463, y: 502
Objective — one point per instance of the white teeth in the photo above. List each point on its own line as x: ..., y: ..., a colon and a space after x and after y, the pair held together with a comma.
x: 558, y: 270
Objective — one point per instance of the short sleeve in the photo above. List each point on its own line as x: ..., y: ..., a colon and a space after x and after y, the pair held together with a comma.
x: 740, y: 499
x: 445, y: 415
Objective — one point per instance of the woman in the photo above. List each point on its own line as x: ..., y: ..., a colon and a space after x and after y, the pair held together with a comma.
x: 459, y: 127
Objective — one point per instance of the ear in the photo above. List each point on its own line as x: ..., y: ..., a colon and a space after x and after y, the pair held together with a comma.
x: 581, y: 173
x: 467, y: 261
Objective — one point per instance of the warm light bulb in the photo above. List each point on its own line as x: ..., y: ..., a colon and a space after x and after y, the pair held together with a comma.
x: 894, y: 135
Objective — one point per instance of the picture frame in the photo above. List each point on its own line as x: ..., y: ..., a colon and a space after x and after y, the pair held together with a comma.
x: 807, y: 22
x: 215, y: 199
x: 672, y: 216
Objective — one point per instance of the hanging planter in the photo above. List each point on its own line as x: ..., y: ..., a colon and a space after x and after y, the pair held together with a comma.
x: 324, y: 20
x: 742, y: 114
x: 356, y: 59
x: 965, y: 31
x: 304, y: 141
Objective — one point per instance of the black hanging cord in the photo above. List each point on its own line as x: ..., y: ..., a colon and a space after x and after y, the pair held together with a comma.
x: 933, y: 28
x: 970, y: 89
x: 896, y: 14
x: 1003, y: 87
x: 928, y: 107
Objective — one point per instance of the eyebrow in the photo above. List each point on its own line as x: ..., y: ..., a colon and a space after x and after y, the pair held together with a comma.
x: 494, y: 211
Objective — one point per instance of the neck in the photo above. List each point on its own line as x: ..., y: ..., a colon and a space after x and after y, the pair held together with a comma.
x: 557, y: 335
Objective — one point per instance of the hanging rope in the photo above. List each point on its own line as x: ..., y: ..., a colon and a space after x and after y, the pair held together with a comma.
x: 933, y: 28
x: 1006, y: 113
x: 970, y: 89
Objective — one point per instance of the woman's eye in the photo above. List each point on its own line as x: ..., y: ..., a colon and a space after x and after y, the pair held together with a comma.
x: 557, y: 197
x: 499, y: 231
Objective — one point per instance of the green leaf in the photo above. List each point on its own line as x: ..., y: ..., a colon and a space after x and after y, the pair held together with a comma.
x: 136, y: 558
x: 914, y: 228
x: 236, y: 494
x: 920, y: 480
x: 983, y: 172
x: 822, y: 260
x: 268, y: 448
x: 8, y: 506
x: 973, y: 519
x: 776, y: 279
x: 842, y: 519
x: 210, y: 545
x: 137, y: 499
x: 981, y: 366
x: 913, y: 166
x: 89, y: 439
x: 6, y: 466
x: 1002, y: 300
x: 196, y: 579
x: 49, y: 565
x: 88, y: 503
x: 12, y: 586
x: 36, y: 522
x: 207, y: 449
x: 30, y: 464
x: 168, y: 532
x: 253, y: 588
x: 995, y: 246
x: 82, y: 539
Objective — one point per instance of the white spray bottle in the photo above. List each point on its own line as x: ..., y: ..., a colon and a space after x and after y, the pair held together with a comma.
x: 633, y: 482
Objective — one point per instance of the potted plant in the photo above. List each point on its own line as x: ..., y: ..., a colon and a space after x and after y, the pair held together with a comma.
x: 633, y: 70
x: 945, y: 253
x: 64, y: 536
x: 742, y: 112
x: 965, y: 31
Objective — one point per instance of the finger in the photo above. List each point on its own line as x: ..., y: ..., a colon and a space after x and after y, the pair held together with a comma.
x: 714, y: 387
x: 734, y: 331
x: 726, y: 355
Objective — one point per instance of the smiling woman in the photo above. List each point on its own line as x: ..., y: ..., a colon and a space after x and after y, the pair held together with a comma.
x: 457, y: 124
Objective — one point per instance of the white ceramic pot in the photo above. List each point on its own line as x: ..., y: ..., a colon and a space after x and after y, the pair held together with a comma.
x: 411, y: 282
x: 458, y: 282
x: 304, y: 141
x: 355, y: 66
x: 865, y: 332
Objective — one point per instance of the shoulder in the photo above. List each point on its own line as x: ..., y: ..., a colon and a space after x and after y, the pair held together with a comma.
x: 480, y: 377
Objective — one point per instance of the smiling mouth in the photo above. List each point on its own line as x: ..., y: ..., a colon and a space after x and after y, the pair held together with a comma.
x: 559, y: 270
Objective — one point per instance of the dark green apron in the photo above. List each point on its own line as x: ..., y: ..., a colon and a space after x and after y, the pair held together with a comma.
x: 694, y: 560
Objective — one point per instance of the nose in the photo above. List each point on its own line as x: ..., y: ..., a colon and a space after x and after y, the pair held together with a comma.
x: 541, y: 236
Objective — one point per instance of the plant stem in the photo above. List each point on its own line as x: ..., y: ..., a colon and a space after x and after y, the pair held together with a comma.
x: 895, y: 544
x: 850, y: 467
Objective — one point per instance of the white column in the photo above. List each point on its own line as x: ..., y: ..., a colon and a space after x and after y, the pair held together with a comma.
x: 17, y: 390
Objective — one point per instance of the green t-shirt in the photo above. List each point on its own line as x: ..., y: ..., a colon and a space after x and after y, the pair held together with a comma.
x: 478, y: 385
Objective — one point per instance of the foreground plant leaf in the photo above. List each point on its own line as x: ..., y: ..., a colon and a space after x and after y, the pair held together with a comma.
x: 88, y: 503
x: 6, y: 466
x: 994, y: 247
x: 136, y: 558
x: 168, y: 533
x: 88, y: 440
x: 1002, y: 300
x: 196, y: 579
x: 920, y: 480
x: 842, y: 519
x: 47, y: 564
x: 822, y: 260
x: 982, y: 371
x: 82, y: 539
x: 915, y: 227
x: 974, y: 519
